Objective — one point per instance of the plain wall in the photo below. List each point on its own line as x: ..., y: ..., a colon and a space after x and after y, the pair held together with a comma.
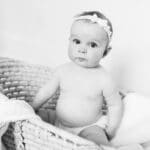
x: 37, y: 31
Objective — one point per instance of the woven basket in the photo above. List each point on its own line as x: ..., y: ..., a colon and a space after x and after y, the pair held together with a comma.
x: 20, y: 80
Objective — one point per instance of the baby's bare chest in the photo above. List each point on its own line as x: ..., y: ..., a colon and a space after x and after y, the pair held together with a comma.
x: 83, y: 84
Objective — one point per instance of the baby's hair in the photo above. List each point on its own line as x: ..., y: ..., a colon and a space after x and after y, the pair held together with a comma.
x: 101, y: 16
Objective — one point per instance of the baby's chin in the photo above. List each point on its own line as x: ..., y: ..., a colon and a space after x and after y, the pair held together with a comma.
x: 83, y: 62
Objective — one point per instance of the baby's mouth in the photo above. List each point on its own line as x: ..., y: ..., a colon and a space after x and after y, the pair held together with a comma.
x: 81, y: 59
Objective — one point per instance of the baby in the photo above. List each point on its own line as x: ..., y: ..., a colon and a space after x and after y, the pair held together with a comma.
x: 84, y: 83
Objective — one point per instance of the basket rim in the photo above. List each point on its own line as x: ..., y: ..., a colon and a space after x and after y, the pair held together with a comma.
x: 77, y: 140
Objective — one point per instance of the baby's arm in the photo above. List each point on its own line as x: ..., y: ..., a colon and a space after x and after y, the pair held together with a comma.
x: 46, y: 92
x: 115, y: 107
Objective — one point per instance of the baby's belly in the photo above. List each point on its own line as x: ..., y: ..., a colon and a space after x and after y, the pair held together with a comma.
x: 78, y: 111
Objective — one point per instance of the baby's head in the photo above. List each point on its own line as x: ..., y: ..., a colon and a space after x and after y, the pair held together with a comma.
x: 90, y: 35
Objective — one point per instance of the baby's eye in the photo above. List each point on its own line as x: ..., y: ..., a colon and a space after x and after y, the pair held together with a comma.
x: 93, y: 45
x: 76, y: 41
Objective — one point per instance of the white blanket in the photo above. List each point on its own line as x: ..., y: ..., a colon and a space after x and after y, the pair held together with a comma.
x: 135, y: 125
x: 13, y: 110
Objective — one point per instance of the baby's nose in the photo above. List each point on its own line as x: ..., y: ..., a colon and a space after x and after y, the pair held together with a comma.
x: 82, y: 50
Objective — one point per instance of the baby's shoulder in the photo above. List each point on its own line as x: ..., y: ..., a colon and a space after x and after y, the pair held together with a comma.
x: 106, y: 77
x: 62, y: 69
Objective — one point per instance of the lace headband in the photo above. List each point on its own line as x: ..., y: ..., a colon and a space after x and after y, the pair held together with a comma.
x: 101, y: 22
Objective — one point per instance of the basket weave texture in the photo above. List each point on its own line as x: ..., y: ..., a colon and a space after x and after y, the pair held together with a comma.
x: 20, y: 80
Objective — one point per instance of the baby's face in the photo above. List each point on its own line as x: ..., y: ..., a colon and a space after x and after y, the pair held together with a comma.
x: 87, y: 43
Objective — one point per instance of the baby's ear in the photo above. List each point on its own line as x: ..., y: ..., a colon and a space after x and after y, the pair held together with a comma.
x: 107, y: 50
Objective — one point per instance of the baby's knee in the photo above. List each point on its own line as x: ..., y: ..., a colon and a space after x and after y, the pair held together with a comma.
x: 91, y: 130
x: 95, y: 134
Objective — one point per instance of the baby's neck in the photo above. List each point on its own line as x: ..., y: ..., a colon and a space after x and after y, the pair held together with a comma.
x: 85, y: 68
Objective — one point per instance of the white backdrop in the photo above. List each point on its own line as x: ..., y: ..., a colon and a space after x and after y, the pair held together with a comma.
x: 37, y: 31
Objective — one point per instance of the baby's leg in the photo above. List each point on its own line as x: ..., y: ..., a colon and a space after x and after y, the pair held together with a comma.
x: 95, y: 134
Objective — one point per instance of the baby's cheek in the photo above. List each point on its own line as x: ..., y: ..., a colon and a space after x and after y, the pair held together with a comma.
x: 95, y: 57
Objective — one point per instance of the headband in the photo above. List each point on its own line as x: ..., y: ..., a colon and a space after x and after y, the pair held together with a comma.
x: 95, y: 19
